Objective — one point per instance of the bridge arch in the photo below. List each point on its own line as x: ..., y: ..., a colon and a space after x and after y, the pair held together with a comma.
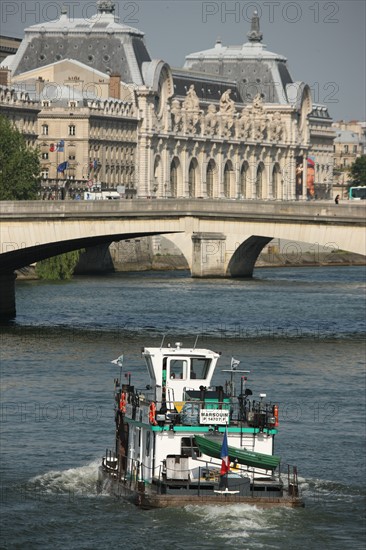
x: 243, y: 260
x: 217, y: 237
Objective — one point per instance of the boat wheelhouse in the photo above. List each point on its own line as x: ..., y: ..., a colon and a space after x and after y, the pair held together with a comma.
x: 169, y: 436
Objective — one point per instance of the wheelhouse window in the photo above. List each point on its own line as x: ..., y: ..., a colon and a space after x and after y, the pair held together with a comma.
x: 178, y: 368
x: 199, y: 367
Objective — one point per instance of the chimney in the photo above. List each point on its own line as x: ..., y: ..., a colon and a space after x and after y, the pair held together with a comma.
x: 115, y: 86
x: 40, y: 84
x: 4, y: 77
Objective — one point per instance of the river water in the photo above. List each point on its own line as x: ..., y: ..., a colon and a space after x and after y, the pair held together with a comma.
x: 299, y: 331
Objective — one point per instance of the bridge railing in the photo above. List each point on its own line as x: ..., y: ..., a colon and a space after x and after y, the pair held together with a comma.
x: 350, y: 212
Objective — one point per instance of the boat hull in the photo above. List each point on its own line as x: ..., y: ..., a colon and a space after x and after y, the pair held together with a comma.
x: 148, y: 499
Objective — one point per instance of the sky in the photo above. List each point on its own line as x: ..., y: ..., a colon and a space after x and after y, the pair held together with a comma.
x: 323, y: 41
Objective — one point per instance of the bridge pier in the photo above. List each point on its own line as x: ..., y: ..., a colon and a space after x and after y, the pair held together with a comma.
x: 7, y: 296
x: 208, y: 257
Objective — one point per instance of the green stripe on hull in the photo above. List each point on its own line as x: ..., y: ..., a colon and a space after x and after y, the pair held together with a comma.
x: 199, y: 429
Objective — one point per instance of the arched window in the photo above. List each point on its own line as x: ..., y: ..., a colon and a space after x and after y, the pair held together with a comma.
x: 173, y: 179
x: 210, y: 177
x: 244, y: 191
x: 276, y: 182
x: 228, y: 179
x: 259, y: 181
x: 192, y: 177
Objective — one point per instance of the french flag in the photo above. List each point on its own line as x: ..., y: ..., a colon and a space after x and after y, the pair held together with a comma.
x: 225, y: 462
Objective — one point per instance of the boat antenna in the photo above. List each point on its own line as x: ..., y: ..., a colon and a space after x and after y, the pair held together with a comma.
x: 195, y: 344
x: 162, y: 342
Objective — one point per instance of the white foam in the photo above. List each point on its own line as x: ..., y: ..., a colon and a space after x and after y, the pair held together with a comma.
x: 239, y: 521
x: 78, y: 481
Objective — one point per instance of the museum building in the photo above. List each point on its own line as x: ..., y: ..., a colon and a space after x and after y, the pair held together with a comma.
x: 231, y: 123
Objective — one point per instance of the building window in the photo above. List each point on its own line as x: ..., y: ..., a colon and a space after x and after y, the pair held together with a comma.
x: 44, y: 174
x: 355, y: 148
x: 346, y: 148
x: 71, y: 157
x: 210, y: 179
x: 72, y: 130
x: 45, y: 129
x: 45, y: 156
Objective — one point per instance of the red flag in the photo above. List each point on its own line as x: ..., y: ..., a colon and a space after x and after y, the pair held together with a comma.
x: 52, y: 147
x: 225, y: 464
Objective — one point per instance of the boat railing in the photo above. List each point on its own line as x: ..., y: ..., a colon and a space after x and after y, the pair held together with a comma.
x: 137, y: 476
x: 239, y: 410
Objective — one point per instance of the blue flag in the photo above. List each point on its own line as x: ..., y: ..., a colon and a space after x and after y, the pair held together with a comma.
x: 63, y: 166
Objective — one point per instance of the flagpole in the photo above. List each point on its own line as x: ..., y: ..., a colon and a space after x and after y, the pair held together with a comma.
x: 56, y: 172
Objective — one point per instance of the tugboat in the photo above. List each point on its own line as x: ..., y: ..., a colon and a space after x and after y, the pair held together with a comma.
x: 181, y: 440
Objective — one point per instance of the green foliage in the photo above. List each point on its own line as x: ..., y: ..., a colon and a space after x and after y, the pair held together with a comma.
x: 19, y: 165
x: 58, y: 267
x: 358, y: 171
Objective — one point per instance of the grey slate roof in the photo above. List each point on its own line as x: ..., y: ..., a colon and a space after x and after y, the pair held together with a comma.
x: 101, y: 43
x: 207, y: 87
x: 255, y: 69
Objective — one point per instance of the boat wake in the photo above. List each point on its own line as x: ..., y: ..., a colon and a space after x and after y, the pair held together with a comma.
x: 80, y: 481
x: 314, y: 489
x: 239, y: 521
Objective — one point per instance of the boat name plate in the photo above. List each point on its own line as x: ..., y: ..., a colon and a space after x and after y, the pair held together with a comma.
x: 214, y: 416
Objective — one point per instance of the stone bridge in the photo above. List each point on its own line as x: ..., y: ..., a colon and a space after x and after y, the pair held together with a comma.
x: 219, y: 238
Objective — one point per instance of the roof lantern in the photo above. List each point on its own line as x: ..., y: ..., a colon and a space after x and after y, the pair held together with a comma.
x: 105, y: 6
x: 255, y: 34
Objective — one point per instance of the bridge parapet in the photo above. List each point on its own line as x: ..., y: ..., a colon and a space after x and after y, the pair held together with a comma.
x: 351, y: 212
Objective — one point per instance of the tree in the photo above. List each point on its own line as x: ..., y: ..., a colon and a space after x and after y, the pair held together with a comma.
x: 58, y: 267
x: 358, y: 171
x: 19, y: 165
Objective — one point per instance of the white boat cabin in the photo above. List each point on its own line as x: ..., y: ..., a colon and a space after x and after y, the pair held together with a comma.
x: 179, y: 370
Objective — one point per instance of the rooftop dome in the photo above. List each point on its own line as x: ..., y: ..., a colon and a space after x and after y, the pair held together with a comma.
x: 255, y: 69
x: 100, y: 42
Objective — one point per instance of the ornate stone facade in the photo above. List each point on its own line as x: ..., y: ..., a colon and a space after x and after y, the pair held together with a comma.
x: 22, y: 111
x: 172, y: 132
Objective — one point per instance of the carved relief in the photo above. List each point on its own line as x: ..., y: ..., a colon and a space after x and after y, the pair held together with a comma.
x: 279, y: 128
x: 227, y: 113
x: 191, y: 112
x: 258, y: 102
x: 244, y: 125
x: 210, y: 121
x: 177, y: 118
x: 227, y: 105
x: 191, y: 102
